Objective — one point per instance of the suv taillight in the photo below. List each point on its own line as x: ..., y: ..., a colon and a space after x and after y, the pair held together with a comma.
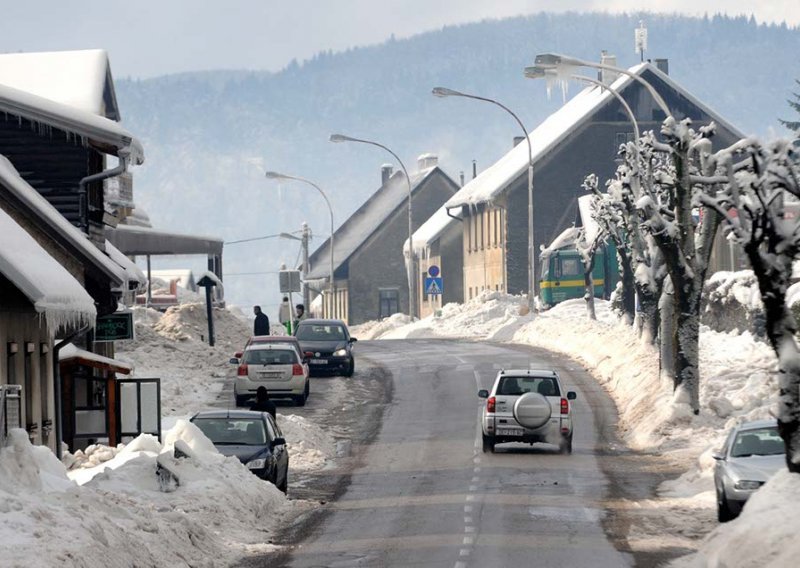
x: 490, y: 402
x: 564, y: 406
x: 297, y: 369
x: 242, y: 370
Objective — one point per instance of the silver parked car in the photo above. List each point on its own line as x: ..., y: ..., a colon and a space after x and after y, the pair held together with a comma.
x: 527, y: 406
x: 752, y: 452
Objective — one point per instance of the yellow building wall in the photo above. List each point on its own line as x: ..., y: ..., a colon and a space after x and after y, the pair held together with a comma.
x: 484, y: 250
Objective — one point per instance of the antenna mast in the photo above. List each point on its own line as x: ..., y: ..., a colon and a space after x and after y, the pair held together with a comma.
x: 640, y: 40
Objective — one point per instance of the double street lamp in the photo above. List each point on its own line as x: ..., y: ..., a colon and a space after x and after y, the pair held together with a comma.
x: 532, y: 284
x: 280, y: 176
x: 412, y: 296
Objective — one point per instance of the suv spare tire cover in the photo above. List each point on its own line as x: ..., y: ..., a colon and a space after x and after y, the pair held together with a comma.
x: 532, y: 410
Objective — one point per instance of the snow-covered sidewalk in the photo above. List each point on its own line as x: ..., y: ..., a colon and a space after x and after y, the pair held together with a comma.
x: 738, y: 384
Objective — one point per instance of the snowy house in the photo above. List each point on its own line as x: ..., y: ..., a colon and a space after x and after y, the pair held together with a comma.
x: 580, y: 138
x: 370, y: 275
x: 439, y: 242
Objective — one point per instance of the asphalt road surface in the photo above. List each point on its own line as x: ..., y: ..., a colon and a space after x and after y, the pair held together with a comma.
x: 422, y: 493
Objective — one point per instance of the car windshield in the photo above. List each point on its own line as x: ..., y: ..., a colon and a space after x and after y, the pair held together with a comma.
x: 233, y: 431
x: 759, y: 442
x: 270, y: 357
x: 515, y: 386
x: 320, y: 332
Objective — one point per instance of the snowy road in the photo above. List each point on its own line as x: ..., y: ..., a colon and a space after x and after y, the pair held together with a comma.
x: 423, y: 493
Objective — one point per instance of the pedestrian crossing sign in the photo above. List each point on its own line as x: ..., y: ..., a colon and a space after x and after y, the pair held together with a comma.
x: 433, y: 286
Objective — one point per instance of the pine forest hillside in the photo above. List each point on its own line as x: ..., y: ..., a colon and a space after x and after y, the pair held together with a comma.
x: 210, y: 136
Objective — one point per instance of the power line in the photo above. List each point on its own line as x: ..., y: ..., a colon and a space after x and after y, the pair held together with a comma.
x: 249, y: 273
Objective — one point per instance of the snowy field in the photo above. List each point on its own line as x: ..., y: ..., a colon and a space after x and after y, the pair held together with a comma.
x: 738, y: 384
x: 108, y: 509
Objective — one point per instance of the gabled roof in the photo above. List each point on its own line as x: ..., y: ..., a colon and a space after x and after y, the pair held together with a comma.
x: 102, y: 133
x: 80, y: 79
x: 55, y: 294
x: 49, y: 219
x: 493, y: 181
x: 430, y: 231
x: 358, y: 228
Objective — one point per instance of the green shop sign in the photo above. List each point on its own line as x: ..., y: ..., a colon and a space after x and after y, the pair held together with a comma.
x: 114, y: 327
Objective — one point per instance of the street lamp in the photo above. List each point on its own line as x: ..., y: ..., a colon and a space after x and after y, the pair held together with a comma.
x: 279, y: 176
x: 532, y: 284
x: 412, y: 296
x: 564, y: 65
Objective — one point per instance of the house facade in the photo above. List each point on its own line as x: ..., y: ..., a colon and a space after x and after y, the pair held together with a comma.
x: 371, y: 279
x: 579, y: 139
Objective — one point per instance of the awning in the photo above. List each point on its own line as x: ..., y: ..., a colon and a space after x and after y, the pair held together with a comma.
x: 53, y: 291
x: 134, y: 240
x: 72, y: 354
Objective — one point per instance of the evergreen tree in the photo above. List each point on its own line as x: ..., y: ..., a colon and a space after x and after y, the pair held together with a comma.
x: 793, y: 125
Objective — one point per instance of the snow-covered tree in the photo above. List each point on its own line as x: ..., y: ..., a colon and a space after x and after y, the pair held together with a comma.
x: 794, y: 125
x: 587, y: 245
x: 752, y: 206
x: 667, y: 207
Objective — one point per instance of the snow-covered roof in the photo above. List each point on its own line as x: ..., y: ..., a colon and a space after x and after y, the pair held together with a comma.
x: 53, y: 291
x: 136, y: 280
x: 568, y: 237
x: 365, y: 221
x: 106, y: 135
x: 50, y: 217
x: 137, y: 239
x: 70, y: 351
x: 80, y: 79
x: 430, y: 231
x: 493, y: 181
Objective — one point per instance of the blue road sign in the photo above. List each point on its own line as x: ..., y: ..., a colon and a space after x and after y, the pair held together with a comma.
x: 433, y: 270
x: 434, y: 286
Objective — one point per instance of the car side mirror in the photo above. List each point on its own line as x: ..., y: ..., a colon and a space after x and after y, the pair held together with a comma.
x: 483, y: 393
x: 238, y: 354
x: 277, y: 442
x: 234, y: 361
x: 571, y: 395
x: 353, y: 339
x: 718, y: 455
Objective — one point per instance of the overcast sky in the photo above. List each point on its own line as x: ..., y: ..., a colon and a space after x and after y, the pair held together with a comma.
x: 155, y: 37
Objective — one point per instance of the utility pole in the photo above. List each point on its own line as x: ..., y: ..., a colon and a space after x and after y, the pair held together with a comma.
x: 306, y: 236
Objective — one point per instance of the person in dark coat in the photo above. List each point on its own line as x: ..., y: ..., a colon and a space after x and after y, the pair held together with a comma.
x: 263, y: 403
x: 261, y: 324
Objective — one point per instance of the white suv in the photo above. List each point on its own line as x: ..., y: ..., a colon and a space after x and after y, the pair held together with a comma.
x: 527, y: 406
x: 278, y: 367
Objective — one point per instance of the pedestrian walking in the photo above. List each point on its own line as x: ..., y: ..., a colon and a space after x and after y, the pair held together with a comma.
x: 263, y: 403
x: 300, y: 314
x: 285, y: 315
x: 261, y: 323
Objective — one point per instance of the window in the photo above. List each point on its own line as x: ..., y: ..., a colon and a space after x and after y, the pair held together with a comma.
x: 571, y: 267
x: 515, y: 386
x: 759, y: 442
x: 389, y: 302
x: 233, y: 431
x: 11, y: 365
x: 270, y: 356
x: 28, y: 378
x: 320, y: 332
x: 621, y: 138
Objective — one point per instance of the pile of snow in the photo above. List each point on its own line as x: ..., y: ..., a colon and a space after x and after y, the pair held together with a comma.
x: 310, y: 447
x: 732, y: 302
x: 376, y: 329
x: 492, y: 315
x: 118, y: 513
x: 764, y: 536
x: 170, y: 346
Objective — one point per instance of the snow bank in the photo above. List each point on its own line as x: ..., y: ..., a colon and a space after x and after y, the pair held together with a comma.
x: 763, y: 536
x: 310, y: 447
x: 119, y: 517
x: 171, y: 346
x: 732, y: 302
x: 487, y: 316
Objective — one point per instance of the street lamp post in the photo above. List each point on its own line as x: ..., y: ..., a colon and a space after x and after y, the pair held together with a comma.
x: 562, y: 65
x: 532, y: 284
x: 412, y: 296
x: 279, y: 176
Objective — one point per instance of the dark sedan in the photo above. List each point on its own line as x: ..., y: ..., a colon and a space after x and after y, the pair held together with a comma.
x: 327, y: 346
x: 253, y: 437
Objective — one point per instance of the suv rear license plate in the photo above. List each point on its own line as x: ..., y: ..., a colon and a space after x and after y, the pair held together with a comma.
x: 509, y: 432
x: 319, y: 361
x: 270, y: 375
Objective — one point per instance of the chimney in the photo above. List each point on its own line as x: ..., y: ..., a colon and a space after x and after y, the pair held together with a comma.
x: 425, y: 161
x: 518, y: 140
x: 663, y: 66
x: 386, y: 173
x: 607, y: 76
x: 474, y: 169
x: 461, y: 177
